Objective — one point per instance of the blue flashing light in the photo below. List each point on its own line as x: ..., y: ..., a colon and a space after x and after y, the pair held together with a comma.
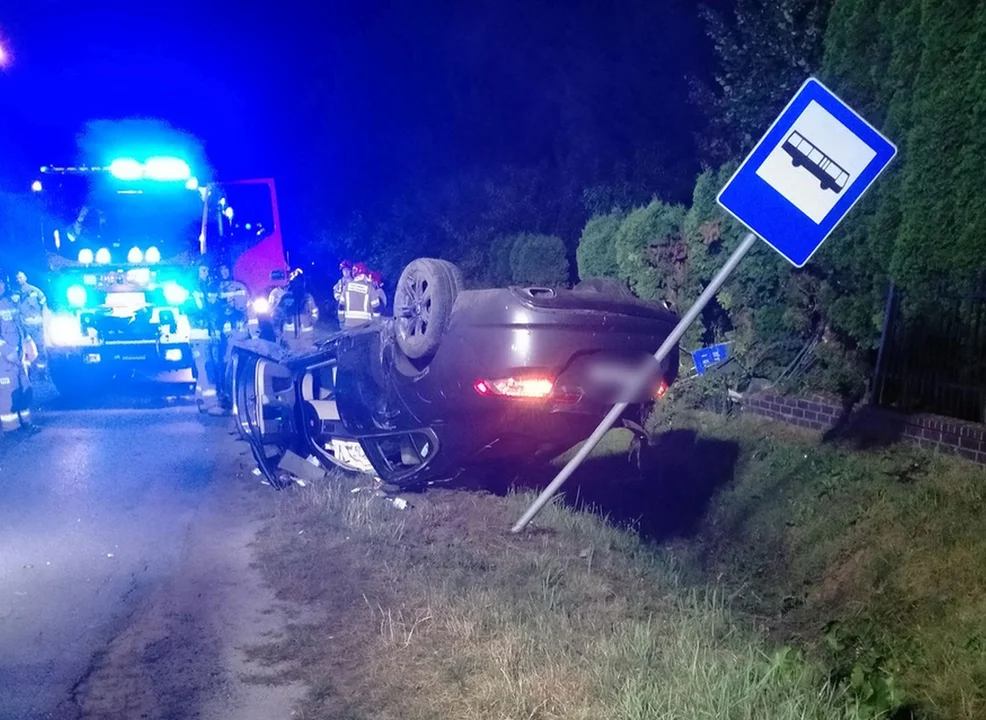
x: 103, y: 256
x: 160, y: 168
x: 36, y: 186
x: 85, y: 256
x: 126, y: 169
x: 175, y: 294
x: 77, y: 296
x: 135, y: 256
x: 167, y: 168
x: 153, y: 255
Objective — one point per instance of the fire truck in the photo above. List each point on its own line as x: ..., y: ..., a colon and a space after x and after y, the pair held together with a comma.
x: 123, y: 243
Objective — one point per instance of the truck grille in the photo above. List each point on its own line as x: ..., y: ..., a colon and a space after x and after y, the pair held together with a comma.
x: 125, y: 329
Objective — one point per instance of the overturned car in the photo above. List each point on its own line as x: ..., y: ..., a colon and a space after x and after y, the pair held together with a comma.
x: 457, y: 381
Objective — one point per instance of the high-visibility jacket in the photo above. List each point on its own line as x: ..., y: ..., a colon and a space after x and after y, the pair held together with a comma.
x: 11, y: 336
x: 235, y: 294
x: 13, y: 379
x: 31, y: 302
x: 339, y: 290
x: 381, y: 301
x: 361, y: 301
x: 307, y: 316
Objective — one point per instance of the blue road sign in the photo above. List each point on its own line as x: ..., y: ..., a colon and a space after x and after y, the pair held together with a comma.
x: 809, y: 169
x: 708, y: 356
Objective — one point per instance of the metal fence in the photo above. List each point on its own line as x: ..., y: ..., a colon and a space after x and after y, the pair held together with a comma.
x: 935, y: 362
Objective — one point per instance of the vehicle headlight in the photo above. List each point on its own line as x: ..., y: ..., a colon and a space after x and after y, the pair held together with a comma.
x: 261, y: 306
x: 153, y: 255
x: 135, y: 256
x: 85, y: 256
x: 64, y: 330
x: 175, y: 294
x: 77, y: 296
x: 103, y: 256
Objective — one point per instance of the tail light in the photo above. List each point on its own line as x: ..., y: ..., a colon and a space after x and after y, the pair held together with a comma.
x: 529, y: 387
x: 660, y: 390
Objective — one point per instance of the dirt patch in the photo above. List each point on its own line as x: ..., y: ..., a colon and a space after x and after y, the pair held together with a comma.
x: 181, y: 654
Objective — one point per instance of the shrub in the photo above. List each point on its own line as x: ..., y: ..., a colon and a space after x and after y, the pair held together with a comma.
x: 650, y: 251
x: 539, y: 260
x: 596, y: 252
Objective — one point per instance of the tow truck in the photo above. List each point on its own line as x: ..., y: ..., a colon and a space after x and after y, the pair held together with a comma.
x: 123, y: 243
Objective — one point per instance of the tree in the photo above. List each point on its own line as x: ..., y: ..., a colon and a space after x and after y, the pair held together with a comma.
x: 763, y: 54
x: 917, y: 70
x: 539, y: 260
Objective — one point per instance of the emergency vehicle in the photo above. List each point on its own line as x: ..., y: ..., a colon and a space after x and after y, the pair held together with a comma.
x: 123, y: 243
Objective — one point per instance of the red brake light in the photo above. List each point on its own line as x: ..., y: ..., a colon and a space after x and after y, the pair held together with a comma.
x: 661, y: 389
x: 531, y: 387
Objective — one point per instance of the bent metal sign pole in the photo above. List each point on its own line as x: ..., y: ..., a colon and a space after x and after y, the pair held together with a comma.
x: 812, y: 165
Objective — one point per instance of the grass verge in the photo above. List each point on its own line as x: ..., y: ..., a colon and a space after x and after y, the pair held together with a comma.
x: 437, y: 611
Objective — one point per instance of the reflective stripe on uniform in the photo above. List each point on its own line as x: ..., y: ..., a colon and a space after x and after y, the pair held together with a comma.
x: 4, y: 381
x: 25, y: 414
x: 8, y: 417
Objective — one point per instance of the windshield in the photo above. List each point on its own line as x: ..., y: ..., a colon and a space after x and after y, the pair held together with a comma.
x: 93, y: 212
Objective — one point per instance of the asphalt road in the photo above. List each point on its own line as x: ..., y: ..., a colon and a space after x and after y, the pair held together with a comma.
x: 96, y: 515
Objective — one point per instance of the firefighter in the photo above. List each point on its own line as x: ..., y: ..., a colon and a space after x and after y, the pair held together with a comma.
x: 15, y: 391
x: 31, y: 303
x: 339, y: 291
x: 231, y: 326
x: 234, y: 294
x: 297, y: 314
x: 361, y: 300
x: 202, y: 321
x: 376, y: 277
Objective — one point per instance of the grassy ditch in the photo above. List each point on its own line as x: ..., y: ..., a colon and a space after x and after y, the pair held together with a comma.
x: 756, y: 574
x: 437, y: 611
x: 873, y: 560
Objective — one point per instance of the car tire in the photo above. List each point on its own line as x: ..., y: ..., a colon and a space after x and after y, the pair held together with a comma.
x: 426, y: 292
x: 605, y: 286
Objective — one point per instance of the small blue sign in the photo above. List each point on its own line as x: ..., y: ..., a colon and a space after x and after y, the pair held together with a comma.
x: 708, y: 356
x: 806, y: 173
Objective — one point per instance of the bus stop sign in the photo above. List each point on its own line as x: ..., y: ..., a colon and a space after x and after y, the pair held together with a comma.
x: 813, y: 164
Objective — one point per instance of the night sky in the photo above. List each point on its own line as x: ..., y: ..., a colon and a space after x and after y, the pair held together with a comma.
x: 346, y: 105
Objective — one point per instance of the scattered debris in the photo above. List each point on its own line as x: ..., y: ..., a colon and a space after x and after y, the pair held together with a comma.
x: 109, y: 555
x: 399, y: 503
x: 300, y: 468
x: 256, y: 471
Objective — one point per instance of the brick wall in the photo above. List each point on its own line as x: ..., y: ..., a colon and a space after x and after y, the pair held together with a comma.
x: 866, y: 422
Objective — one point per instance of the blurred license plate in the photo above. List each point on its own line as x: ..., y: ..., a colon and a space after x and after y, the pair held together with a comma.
x: 350, y: 452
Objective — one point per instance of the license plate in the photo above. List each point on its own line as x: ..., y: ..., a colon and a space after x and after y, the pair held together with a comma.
x: 350, y: 453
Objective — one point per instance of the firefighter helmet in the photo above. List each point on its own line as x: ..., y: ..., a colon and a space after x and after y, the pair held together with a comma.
x: 360, y: 269
x: 376, y: 277
x: 346, y: 265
